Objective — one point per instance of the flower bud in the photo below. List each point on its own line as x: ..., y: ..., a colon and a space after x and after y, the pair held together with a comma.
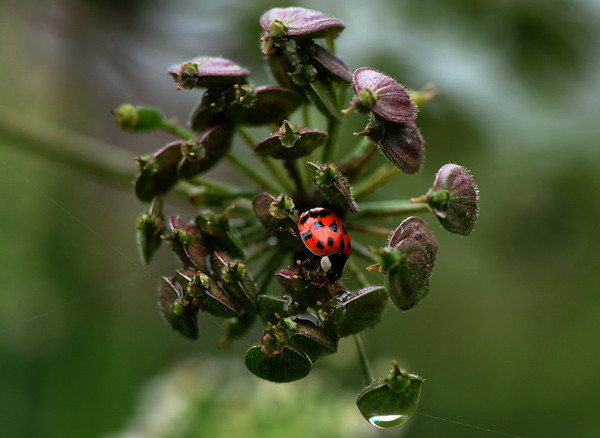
x: 291, y: 141
x: 383, y: 95
x: 204, y: 152
x: 287, y: 364
x: 158, y: 172
x: 217, y: 232
x: 138, y: 118
x: 270, y: 104
x: 208, y: 72
x: 408, y: 268
x: 391, y: 400
x: 312, y: 339
x: 416, y: 229
x: 236, y: 280
x: 328, y: 65
x: 186, y: 241
x: 332, y: 184
x: 401, y: 143
x: 298, y: 283
x: 209, y: 294
x: 211, y: 110
x: 454, y: 199
x: 149, y: 227
x: 180, y: 311
x: 353, y: 312
x: 297, y: 22
x: 276, y: 220
x: 270, y: 308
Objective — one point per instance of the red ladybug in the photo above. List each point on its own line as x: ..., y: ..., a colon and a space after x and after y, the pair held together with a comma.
x: 325, y: 235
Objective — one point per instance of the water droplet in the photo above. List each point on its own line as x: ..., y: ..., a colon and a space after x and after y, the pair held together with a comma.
x: 388, y: 421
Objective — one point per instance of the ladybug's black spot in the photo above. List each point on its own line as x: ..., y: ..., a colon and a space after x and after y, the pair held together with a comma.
x: 306, y: 235
x: 318, y: 225
x: 334, y: 227
x: 341, y: 248
x: 324, y: 213
x: 350, y: 245
x: 314, y: 213
x: 330, y: 241
x: 344, y: 229
x: 303, y: 218
x: 320, y: 244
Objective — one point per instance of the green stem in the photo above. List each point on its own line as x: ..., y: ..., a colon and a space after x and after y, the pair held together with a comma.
x: 362, y: 357
x: 296, y: 174
x: 363, y: 252
x: 253, y: 173
x: 353, y: 164
x: 269, y: 268
x: 333, y: 129
x: 174, y: 128
x: 78, y: 151
x: 389, y: 208
x: 374, y: 181
x: 273, y: 168
x: 358, y: 275
x: 215, y: 186
x: 357, y: 337
x: 369, y: 229
x: 306, y: 115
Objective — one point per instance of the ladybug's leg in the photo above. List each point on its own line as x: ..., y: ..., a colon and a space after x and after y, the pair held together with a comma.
x: 289, y: 230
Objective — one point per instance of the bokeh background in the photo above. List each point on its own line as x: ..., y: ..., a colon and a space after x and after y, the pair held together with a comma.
x: 508, y: 337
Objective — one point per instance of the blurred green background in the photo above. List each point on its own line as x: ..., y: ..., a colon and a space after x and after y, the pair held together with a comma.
x: 508, y: 337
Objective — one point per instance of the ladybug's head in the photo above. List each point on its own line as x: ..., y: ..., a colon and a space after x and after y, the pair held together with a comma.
x: 333, y: 265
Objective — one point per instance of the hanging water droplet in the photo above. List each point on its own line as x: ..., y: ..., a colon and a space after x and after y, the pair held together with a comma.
x: 390, y: 401
x: 388, y: 421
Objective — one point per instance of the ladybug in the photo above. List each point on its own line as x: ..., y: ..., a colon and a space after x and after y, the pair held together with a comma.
x: 325, y: 235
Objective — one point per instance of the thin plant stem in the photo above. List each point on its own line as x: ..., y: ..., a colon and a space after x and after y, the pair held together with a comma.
x: 173, y: 127
x: 269, y: 268
x: 358, y: 275
x: 353, y: 164
x: 357, y: 337
x: 295, y: 173
x: 369, y: 229
x: 333, y: 129
x: 273, y: 168
x: 374, y: 181
x: 306, y: 115
x: 362, y: 357
x: 252, y: 173
x: 277, y: 173
x: 389, y: 208
x: 363, y: 252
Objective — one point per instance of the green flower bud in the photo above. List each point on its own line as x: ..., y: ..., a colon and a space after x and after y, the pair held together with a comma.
x: 138, y: 118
